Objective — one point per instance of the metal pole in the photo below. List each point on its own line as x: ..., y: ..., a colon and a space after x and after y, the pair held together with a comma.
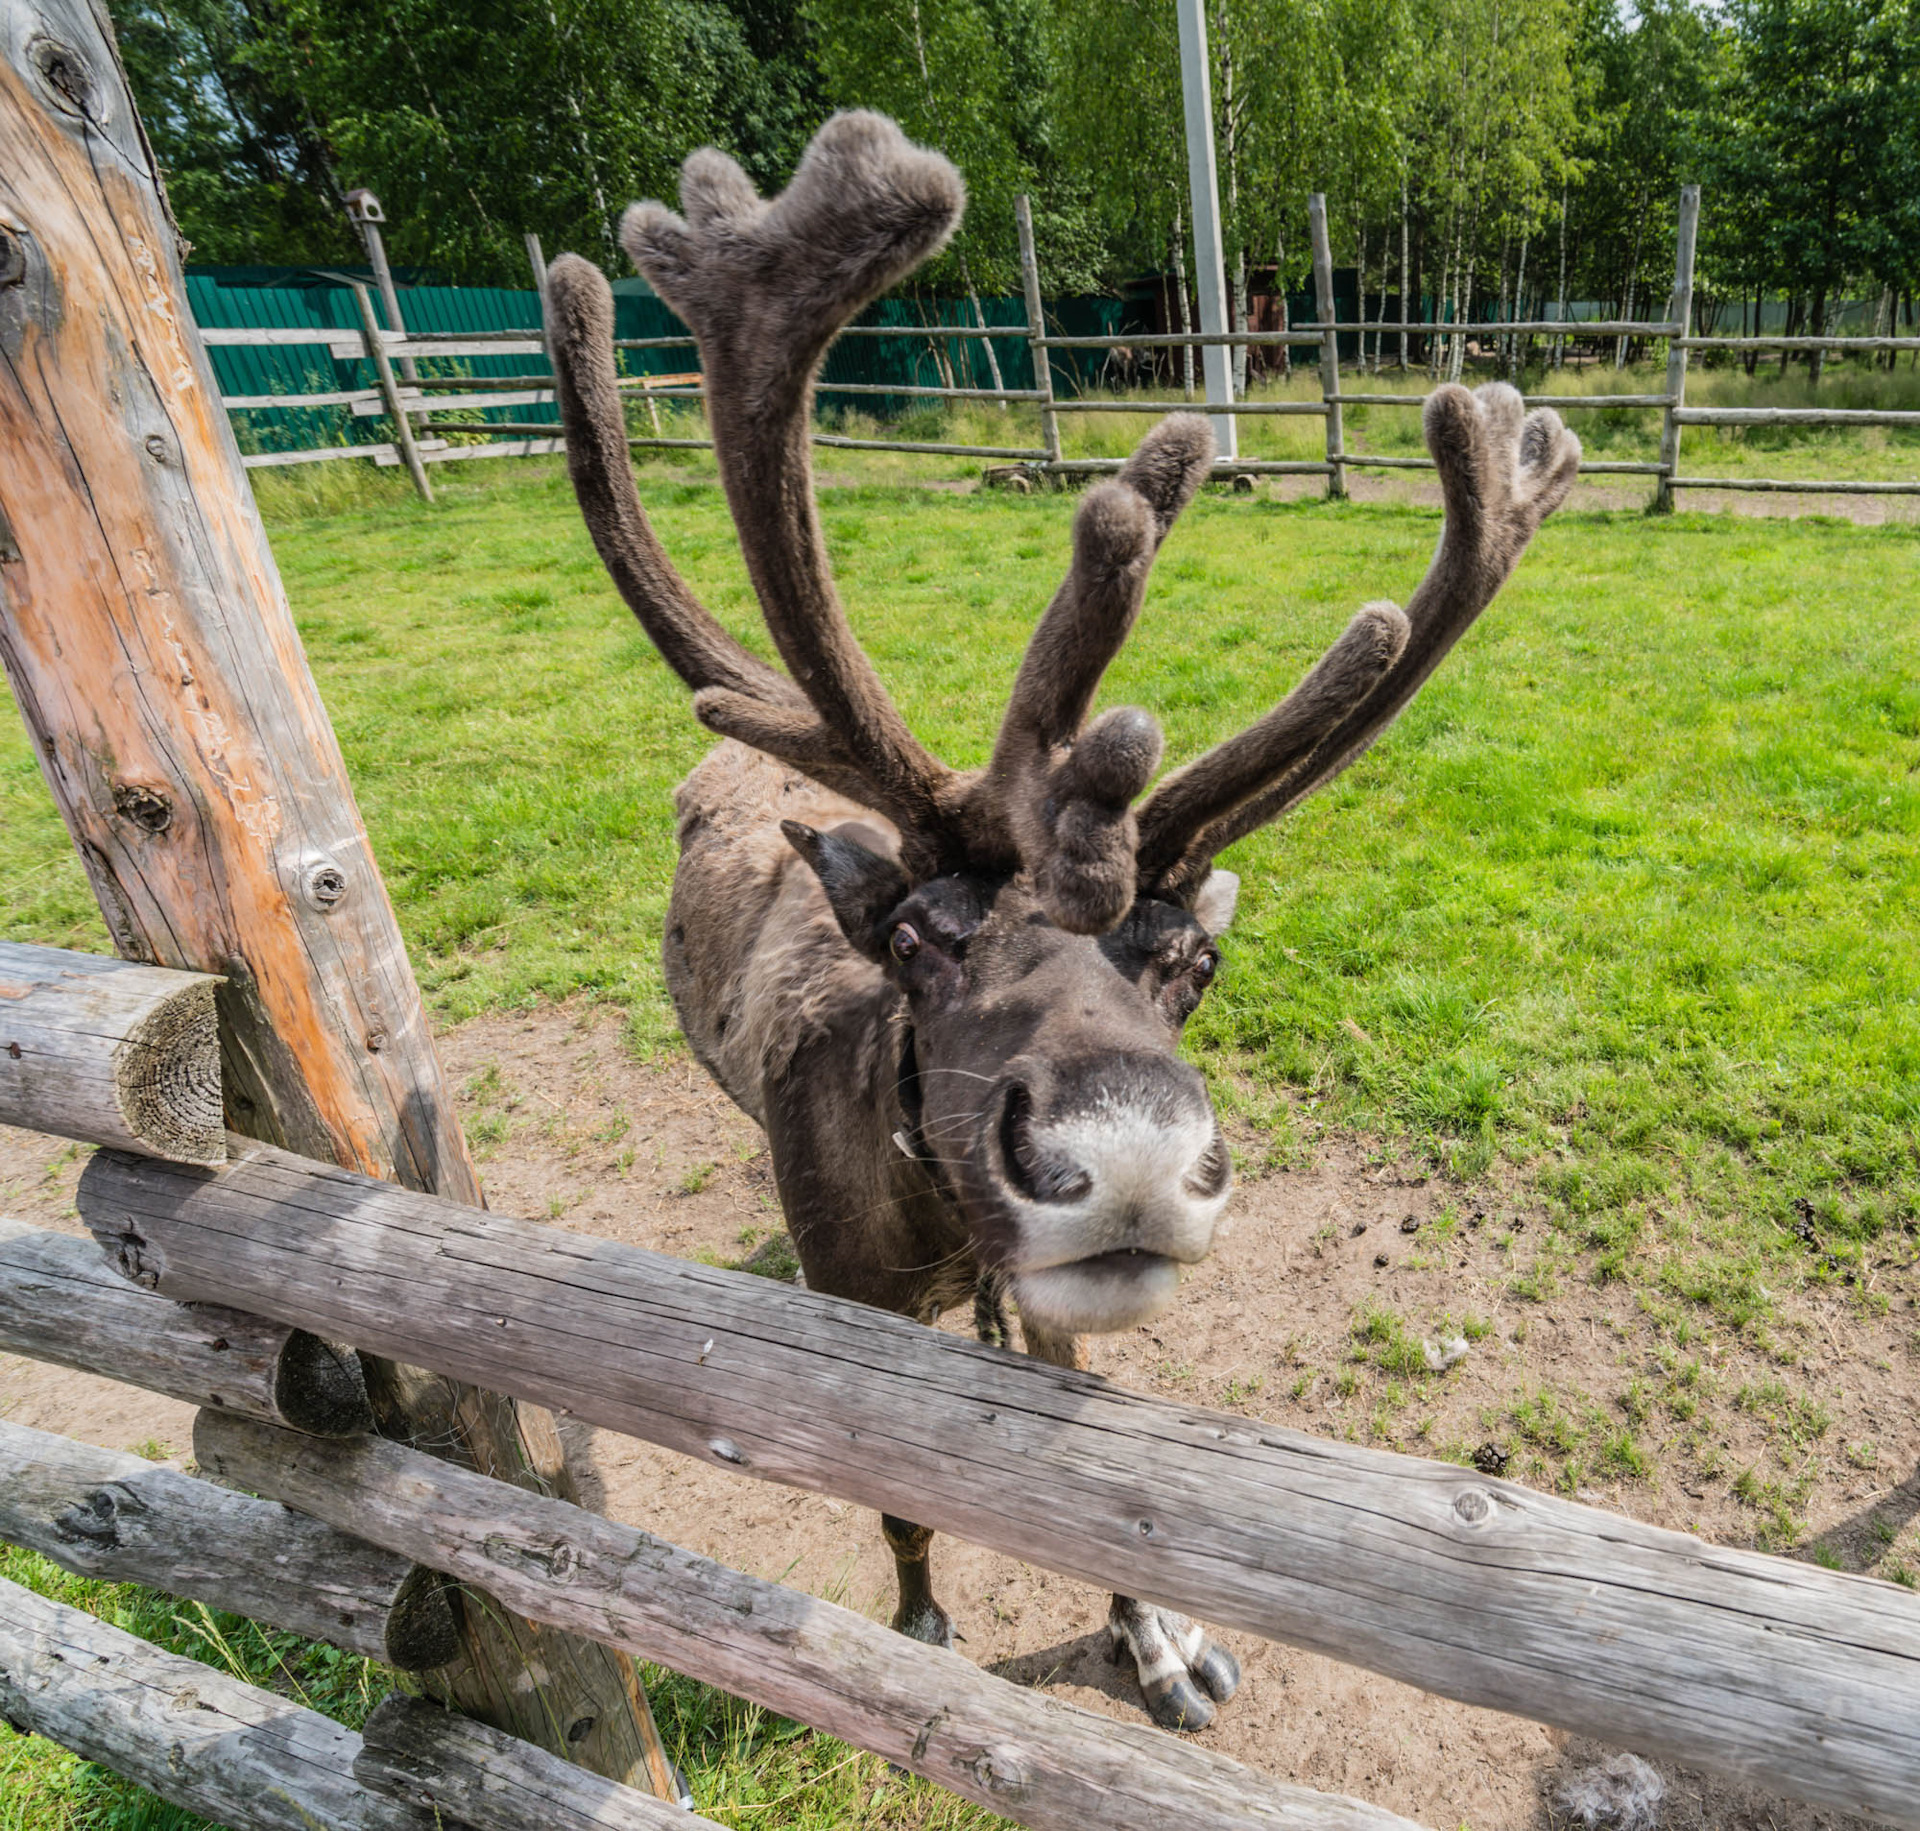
x: 1210, y: 267
x: 383, y: 278
x: 390, y: 392
x: 1037, y: 327
x: 1329, y: 344
x: 1680, y: 312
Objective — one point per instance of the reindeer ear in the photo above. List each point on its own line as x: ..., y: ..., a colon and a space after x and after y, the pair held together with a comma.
x: 1216, y: 901
x: 862, y: 887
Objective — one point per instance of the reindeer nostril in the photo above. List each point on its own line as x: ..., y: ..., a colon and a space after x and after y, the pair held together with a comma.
x: 1209, y: 1176
x: 1037, y: 1173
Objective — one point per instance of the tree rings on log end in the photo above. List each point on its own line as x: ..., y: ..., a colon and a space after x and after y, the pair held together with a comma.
x: 167, y: 1078
x: 319, y: 1388
x: 423, y: 1629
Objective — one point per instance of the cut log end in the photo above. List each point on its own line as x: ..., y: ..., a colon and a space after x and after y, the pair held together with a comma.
x: 423, y: 1629
x: 319, y: 1388
x: 167, y: 1077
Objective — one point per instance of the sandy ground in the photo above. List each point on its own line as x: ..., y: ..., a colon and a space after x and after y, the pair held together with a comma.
x: 571, y: 1128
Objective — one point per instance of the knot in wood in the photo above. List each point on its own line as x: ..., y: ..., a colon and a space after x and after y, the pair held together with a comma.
x: 156, y: 448
x: 65, y: 74
x: 94, y: 1521
x: 149, y: 809
x: 1003, y: 1772
x: 324, y: 885
x: 1472, y: 1506
x: 13, y: 258
x: 726, y: 1449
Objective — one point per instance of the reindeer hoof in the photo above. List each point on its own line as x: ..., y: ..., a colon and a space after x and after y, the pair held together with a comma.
x: 1180, y: 1668
x: 928, y: 1622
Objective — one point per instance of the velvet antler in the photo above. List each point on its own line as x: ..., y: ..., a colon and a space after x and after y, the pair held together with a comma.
x: 1502, y: 472
x: 1063, y: 795
x: 765, y: 286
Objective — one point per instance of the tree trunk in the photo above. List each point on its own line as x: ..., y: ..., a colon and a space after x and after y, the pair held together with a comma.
x: 1406, y: 296
x: 154, y: 658
x: 1516, y: 353
x: 1816, y: 358
x: 1186, y: 306
x: 1240, y: 350
x: 1441, y: 300
x: 1286, y: 310
x: 1559, y: 354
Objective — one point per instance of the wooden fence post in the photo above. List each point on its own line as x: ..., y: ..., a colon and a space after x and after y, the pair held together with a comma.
x: 1680, y: 312
x: 1037, y: 327
x: 149, y: 644
x: 1329, y: 345
x: 390, y: 392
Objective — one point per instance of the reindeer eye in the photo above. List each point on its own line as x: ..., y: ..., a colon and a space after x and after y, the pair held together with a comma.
x: 905, y: 942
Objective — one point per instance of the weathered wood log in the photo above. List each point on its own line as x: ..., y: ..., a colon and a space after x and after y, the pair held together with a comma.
x: 110, y: 1053
x: 1794, y: 486
x: 103, y: 1513
x: 1016, y: 1751
x: 1796, y: 416
x: 149, y: 644
x: 209, y: 1743
x: 1793, y: 1677
x: 60, y: 1303
x: 414, y: 1751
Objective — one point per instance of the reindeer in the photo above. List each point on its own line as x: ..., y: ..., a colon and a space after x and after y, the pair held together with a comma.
x: 953, y: 998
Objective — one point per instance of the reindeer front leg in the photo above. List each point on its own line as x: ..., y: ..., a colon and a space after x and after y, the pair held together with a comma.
x: 1180, y: 1668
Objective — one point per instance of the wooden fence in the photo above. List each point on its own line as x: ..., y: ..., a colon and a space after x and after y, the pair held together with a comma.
x: 1786, y: 1675
x: 404, y: 403
x: 1675, y: 329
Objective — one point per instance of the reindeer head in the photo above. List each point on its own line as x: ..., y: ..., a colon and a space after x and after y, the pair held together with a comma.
x: 1049, y: 931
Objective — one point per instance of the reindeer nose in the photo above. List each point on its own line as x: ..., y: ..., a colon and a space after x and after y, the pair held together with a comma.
x: 1112, y: 1153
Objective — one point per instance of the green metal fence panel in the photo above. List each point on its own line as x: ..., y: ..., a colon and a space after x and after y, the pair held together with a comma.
x: 919, y: 357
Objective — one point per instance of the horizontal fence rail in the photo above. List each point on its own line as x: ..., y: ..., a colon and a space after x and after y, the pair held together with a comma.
x: 1789, y: 1676
x: 423, y: 434
x: 1019, y: 1752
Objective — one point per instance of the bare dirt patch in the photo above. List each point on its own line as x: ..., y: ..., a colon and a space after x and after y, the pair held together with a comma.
x: 1314, y: 1312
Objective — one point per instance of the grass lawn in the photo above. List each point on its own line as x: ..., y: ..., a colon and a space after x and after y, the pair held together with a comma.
x: 1625, y: 910
x: 1630, y: 898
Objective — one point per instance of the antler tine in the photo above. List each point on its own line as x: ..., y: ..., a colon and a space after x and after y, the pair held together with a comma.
x: 1502, y: 472
x: 764, y: 286
x: 695, y: 646
x: 1230, y: 774
x: 1060, y: 797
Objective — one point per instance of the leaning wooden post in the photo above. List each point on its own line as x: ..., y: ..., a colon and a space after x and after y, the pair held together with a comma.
x: 1680, y: 312
x: 150, y: 647
x: 1329, y: 345
x: 371, y: 336
x: 1037, y: 328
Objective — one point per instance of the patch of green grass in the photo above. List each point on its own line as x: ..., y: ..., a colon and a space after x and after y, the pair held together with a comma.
x: 1630, y: 896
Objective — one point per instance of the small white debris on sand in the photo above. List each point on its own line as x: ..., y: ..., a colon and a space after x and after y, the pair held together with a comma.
x: 1621, y: 1793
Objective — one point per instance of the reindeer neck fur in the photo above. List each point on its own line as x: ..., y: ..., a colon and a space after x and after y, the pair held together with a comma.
x: 805, y: 1036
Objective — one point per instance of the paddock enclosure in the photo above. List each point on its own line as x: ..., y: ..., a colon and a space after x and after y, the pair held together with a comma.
x: 292, y: 1237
